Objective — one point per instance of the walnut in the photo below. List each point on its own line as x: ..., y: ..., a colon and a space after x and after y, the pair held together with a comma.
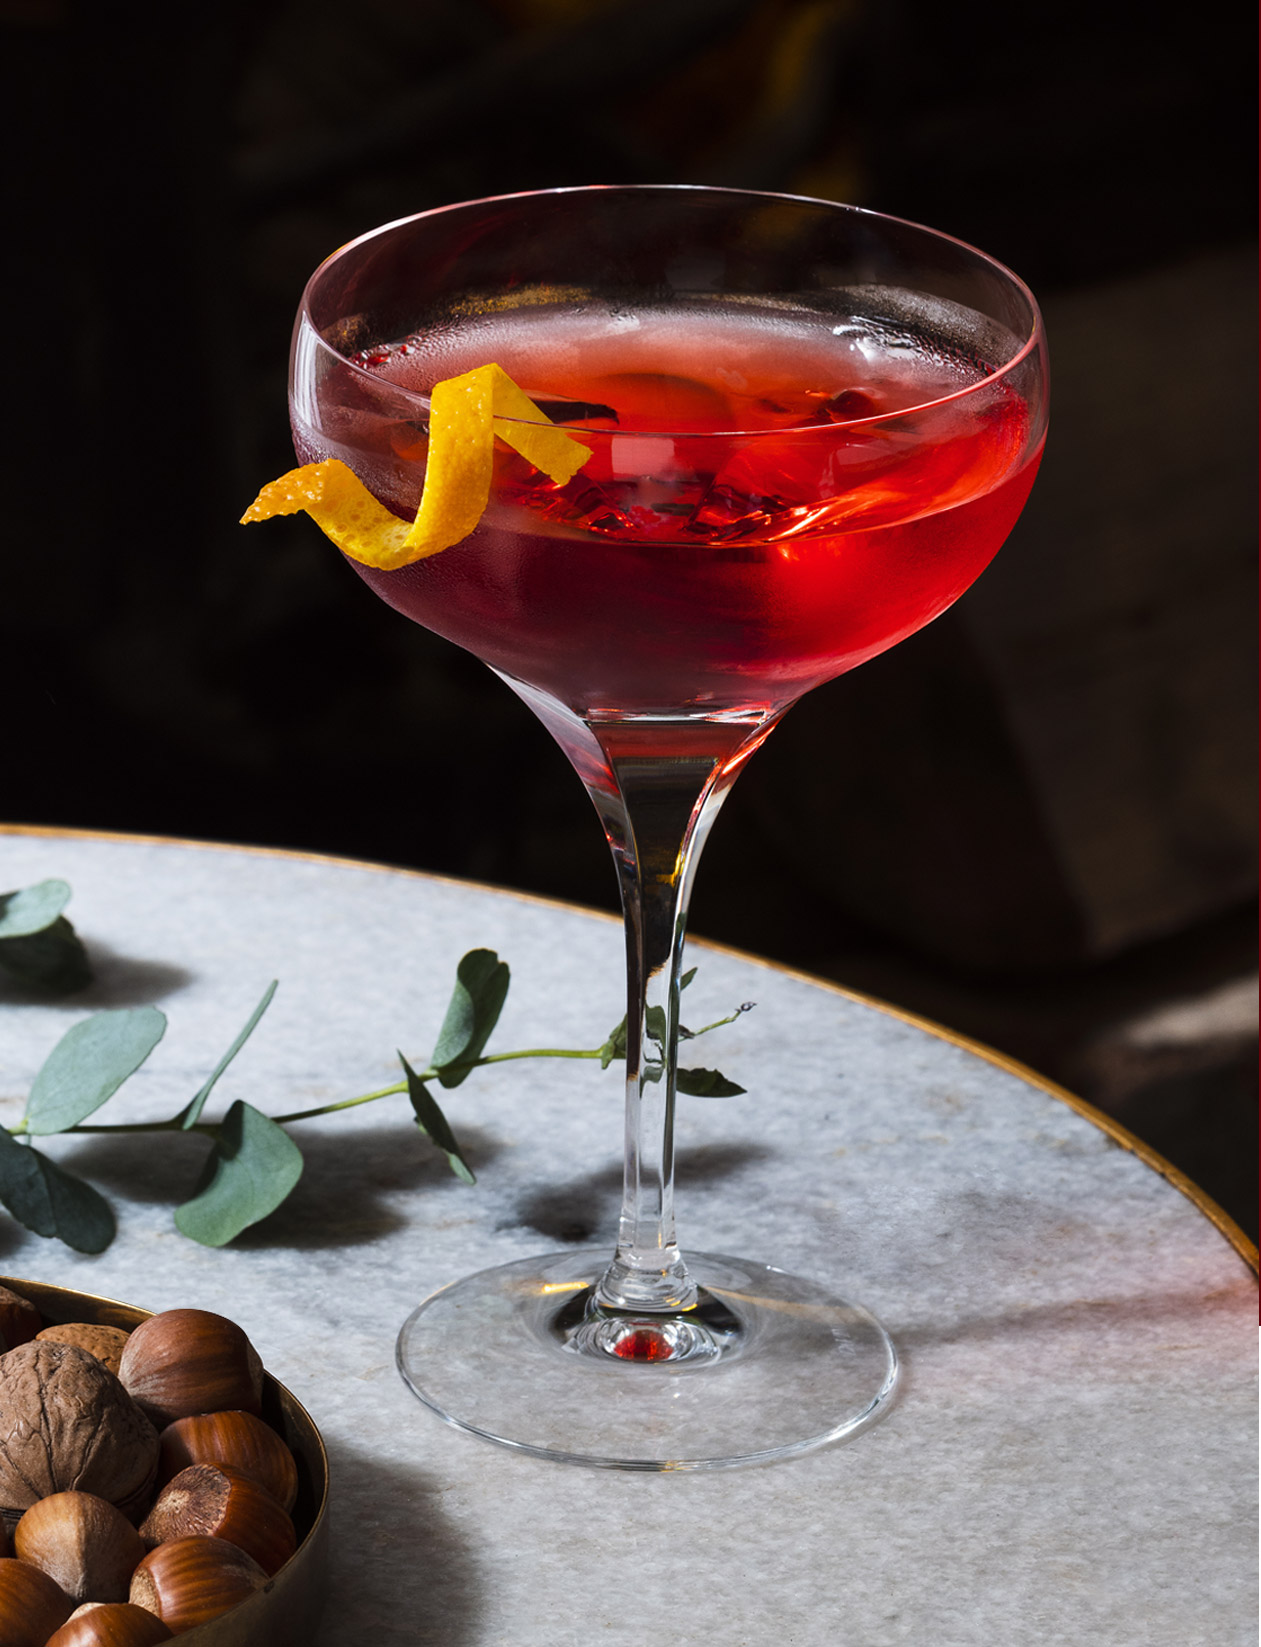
x: 105, y: 1343
x: 67, y: 1424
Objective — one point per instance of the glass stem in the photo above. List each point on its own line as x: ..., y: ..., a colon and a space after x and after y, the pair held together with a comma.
x: 658, y: 785
x: 656, y: 822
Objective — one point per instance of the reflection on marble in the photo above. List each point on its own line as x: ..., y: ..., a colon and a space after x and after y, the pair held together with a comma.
x: 1071, y: 1460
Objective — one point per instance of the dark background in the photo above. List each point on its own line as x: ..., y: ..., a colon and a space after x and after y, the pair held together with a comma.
x: 1034, y: 821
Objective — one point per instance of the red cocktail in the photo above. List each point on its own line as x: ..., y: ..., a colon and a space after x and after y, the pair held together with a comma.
x: 880, y: 480
x: 809, y: 430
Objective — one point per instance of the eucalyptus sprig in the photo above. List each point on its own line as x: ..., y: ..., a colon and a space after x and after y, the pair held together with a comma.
x: 253, y: 1164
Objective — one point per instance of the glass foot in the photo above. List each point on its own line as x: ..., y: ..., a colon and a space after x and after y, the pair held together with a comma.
x: 768, y: 1365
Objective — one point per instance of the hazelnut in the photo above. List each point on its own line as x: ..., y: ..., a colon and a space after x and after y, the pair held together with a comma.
x: 219, y: 1502
x: 238, y: 1439
x: 110, y: 1624
x: 19, y: 1320
x: 192, y: 1580
x: 105, y: 1343
x: 31, y: 1605
x: 83, y: 1543
x: 191, y: 1361
x: 67, y: 1424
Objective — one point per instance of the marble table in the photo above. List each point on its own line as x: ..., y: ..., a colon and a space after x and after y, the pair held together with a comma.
x: 1071, y: 1459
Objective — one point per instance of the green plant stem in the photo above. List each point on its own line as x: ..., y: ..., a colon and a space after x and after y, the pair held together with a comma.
x: 530, y: 1052
x: 718, y: 1023
x: 211, y: 1129
x: 343, y: 1103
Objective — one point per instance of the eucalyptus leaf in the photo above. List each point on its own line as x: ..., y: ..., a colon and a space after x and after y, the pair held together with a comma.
x: 706, y: 1083
x: 51, y: 1201
x: 480, y: 989
x: 190, y: 1116
x: 655, y: 1024
x: 615, y: 1046
x: 89, y: 1064
x: 252, y: 1168
x: 432, y: 1122
x: 33, y: 908
x: 53, y: 960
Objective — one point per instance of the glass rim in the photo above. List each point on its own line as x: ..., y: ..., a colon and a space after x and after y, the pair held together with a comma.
x: 421, y: 398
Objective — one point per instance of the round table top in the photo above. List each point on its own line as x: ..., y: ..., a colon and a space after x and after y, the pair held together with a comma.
x: 1071, y: 1456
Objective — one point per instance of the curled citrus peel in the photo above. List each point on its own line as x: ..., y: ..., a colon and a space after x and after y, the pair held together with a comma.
x: 466, y: 413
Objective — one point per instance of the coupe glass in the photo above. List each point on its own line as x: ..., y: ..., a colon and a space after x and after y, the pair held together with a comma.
x: 810, y: 428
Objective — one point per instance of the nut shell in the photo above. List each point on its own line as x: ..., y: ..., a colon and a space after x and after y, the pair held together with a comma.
x: 182, y: 1362
x: 67, y: 1424
x: 219, y: 1502
x: 192, y: 1580
x: 31, y: 1605
x: 84, y: 1544
x: 19, y: 1319
x: 105, y: 1343
x: 112, y: 1624
x: 237, y: 1439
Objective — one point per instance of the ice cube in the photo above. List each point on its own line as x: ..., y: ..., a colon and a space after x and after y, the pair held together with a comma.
x: 850, y: 404
x: 573, y: 411
x: 585, y: 506
x: 661, y: 402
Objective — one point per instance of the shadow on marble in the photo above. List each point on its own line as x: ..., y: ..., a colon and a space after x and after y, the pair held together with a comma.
x: 158, y: 1168
x: 344, y: 1197
x: 586, y: 1208
x: 340, y: 1199
x: 13, y: 1236
x: 130, y: 980
x: 117, y: 981
x: 1086, y: 1319
x: 390, y: 1538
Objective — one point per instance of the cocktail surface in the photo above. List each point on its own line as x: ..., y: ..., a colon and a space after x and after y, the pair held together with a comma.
x: 774, y: 494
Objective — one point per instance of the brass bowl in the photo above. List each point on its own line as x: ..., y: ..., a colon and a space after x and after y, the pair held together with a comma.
x: 284, y: 1612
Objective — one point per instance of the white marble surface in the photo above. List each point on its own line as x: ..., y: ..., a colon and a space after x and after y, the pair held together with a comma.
x: 1072, y: 1458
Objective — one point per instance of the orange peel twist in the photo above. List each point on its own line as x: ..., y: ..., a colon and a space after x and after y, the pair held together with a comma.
x: 466, y: 413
